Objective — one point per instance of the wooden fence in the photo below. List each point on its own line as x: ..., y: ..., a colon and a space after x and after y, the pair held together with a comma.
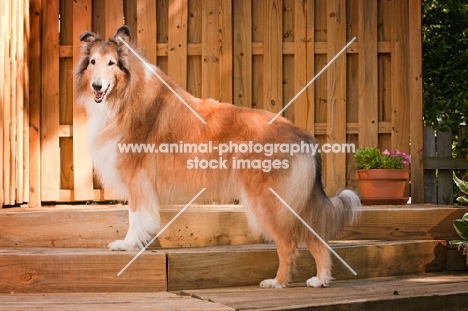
x: 439, y: 164
x: 14, y: 100
x: 253, y: 53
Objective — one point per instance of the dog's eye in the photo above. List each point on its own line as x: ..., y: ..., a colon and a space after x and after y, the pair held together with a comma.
x: 92, y: 62
x: 111, y: 63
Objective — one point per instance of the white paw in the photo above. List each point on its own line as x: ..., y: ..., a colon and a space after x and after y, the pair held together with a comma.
x: 316, y: 282
x: 124, y: 245
x: 271, y: 283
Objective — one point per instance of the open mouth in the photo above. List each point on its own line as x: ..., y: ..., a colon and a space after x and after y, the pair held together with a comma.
x: 99, y: 96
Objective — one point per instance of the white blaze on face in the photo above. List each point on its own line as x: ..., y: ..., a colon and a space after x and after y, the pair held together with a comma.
x: 103, y: 68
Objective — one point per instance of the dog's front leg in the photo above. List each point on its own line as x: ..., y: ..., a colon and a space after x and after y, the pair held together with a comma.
x: 142, y: 228
x: 144, y: 219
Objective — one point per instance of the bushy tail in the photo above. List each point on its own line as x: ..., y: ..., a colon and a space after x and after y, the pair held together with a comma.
x: 348, y: 202
x: 331, y: 214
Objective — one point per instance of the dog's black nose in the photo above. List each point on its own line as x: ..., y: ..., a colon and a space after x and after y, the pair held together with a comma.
x: 97, y: 86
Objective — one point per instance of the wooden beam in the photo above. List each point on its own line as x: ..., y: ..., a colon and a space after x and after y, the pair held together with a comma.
x: 50, y: 149
x: 242, y: 70
x: 416, y: 100
x: 35, y: 104
x: 336, y: 94
x: 79, y: 270
x: 83, y: 168
x: 367, y: 75
x: 272, y: 56
x: 177, y: 42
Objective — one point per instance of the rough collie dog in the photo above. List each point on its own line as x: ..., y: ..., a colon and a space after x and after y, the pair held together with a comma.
x: 127, y: 104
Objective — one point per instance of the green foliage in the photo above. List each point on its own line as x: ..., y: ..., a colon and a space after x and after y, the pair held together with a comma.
x: 463, y: 187
x: 461, y: 227
x: 445, y: 62
x: 373, y: 158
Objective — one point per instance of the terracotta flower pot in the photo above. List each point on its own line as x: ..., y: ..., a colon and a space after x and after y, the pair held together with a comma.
x: 381, y: 186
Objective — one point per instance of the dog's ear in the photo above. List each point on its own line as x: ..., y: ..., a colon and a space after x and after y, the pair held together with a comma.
x: 124, y: 33
x: 89, y: 37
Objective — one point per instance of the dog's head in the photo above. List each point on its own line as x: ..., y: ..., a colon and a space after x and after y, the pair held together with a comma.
x: 104, y: 62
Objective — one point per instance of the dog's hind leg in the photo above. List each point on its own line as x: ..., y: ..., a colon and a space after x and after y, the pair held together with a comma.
x: 287, y: 250
x: 323, y: 261
x: 144, y: 219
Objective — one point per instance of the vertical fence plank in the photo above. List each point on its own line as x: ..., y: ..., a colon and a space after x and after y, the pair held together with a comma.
x: 20, y: 102
x: 416, y: 100
x: 3, y: 99
x: 83, y: 168
x: 273, y: 56
x: 146, y: 25
x: 13, y: 102
x: 66, y: 98
x: 310, y: 64
x: 50, y: 152
x: 368, y: 97
x: 400, y: 105
x: 107, y: 17
x: 242, y: 70
x: 300, y: 70
x: 444, y: 177
x: 25, y: 145
x: 177, y: 42
x: 336, y: 97
x: 225, y: 50
x: 210, y: 50
x: 194, y: 38
x: 34, y: 103
x: 430, y: 181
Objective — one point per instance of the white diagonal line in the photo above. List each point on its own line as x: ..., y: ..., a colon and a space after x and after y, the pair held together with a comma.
x: 161, y: 79
x: 161, y: 231
x: 312, y: 81
x: 313, y: 231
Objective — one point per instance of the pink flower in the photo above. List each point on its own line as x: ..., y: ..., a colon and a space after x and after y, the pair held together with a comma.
x: 386, y: 152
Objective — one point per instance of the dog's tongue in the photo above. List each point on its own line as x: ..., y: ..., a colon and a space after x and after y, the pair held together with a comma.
x: 99, y: 96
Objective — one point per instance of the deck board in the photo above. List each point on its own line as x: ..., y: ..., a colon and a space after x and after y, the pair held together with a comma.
x: 441, y: 291
x: 431, y: 291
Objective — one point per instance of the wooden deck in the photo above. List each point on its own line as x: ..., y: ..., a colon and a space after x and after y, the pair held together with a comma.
x: 54, y: 258
x: 435, y: 291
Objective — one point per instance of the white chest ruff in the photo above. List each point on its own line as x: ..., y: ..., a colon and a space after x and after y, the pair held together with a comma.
x: 104, y: 155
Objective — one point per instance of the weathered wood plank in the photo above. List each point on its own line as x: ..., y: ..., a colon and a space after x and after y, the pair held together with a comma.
x: 368, y: 93
x: 444, y: 177
x: 146, y: 29
x: 400, y: 62
x: 336, y: 94
x: 50, y: 149
x: 272, y: 56
x: 96, y: 226
x: 248, y: 265
x: 301, y: 105
x: 416, y: 100
x: 108, y: 301
x: 35, y: 76
x: 177, y: 42
x: 444, y: 163
x: 79, y: 270
x: 242, y: 44
x: 430, y: 181
x: 225, y: 51
x: 82, y: 165
x: 210, y: 50
x: 310, y: 60
x: 432, y: 291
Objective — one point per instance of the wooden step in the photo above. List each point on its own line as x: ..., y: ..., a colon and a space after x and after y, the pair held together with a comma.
x: 33, y: 270
x: 95, y: 270
x: 228, y: 266
x: 95, y: 226
x: 431, y: 291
